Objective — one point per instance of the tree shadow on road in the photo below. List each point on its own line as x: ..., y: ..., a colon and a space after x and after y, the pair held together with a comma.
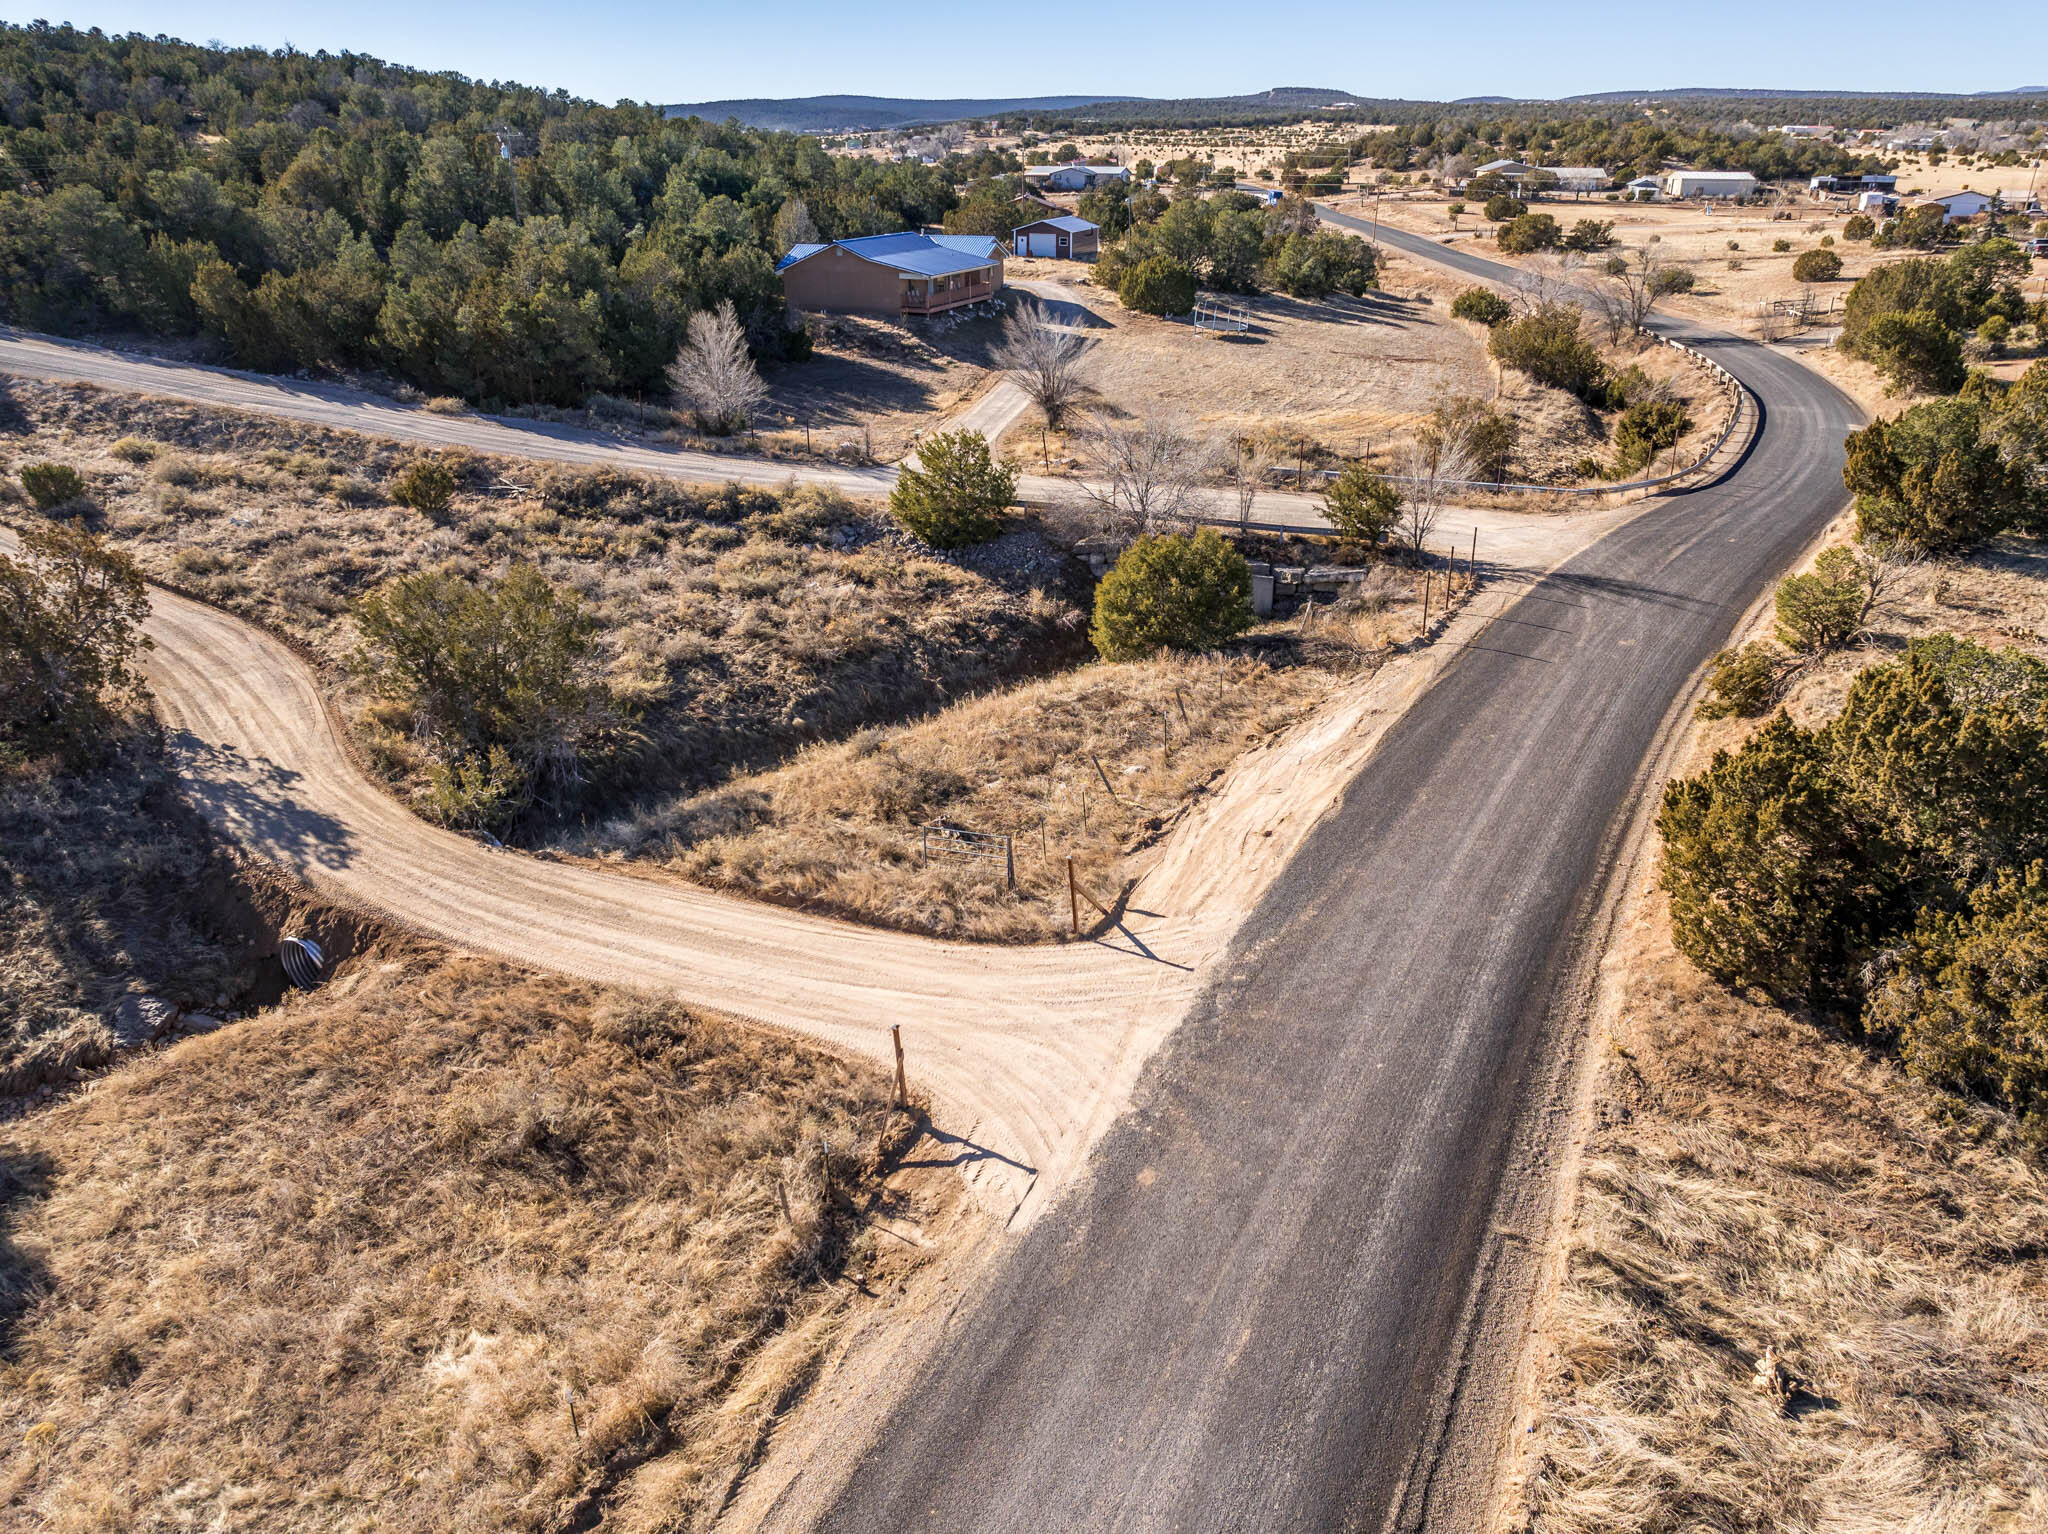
x: 253, y: 802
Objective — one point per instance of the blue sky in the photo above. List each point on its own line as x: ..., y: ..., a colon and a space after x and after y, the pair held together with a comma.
x: 694, y: 51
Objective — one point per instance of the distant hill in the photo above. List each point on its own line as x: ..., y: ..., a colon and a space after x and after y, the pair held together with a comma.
x: 848, y: 114
x: 834, y: 114
x: 1743, y: 93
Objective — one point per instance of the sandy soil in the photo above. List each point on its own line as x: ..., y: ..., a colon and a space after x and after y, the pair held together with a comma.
x: 1027, y: 1053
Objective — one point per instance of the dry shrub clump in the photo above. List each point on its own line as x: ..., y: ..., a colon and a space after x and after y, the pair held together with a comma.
x: 443, y: 1246
x: 1757, y: 1183
x: 1095, y: 765
x: 105, y: 879
x: 733, y: 624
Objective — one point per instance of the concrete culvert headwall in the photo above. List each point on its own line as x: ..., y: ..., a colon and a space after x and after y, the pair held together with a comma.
x: 305, y: 965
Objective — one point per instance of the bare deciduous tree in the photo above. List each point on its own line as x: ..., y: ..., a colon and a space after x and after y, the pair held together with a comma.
x: 712, y: 376
x: 1254, y: 461
x: 1439, y: 462
x: 1626, y: 293
x: 1886, y: 566
x: 1043, y: 358
x: 1146, y: 476
x: 793, y: 224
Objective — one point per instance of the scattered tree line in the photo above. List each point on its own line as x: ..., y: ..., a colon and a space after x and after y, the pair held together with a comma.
x: 493, y: 241
x: 1909, y: 318
x: 1229, y: 242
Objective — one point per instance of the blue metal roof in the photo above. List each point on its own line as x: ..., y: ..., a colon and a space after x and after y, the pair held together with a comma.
x: 928, y: 255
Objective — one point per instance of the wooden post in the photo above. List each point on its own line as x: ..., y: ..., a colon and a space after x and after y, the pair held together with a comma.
x: 1183, y: 702
x: 1107, y: 786
x: 1425, y: 602
x: 1073, y: 899
x: 1044, y: 456
x: 1473, y: 563
x: 1009, y: 861
x: 902, y: 1091
x: 1165, y: 742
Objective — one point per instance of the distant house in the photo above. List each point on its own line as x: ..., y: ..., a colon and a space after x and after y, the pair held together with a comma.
x: 1956, y: 206
x: 1681, y: 184
x: 1880, y: 203
x: 1850, y: 186
x: 1064, y: 238
x: 1074, y: 177
x: 1565, y: 178
x: 1644, y: 188
x: 1030, y: 205
x: 894, y: 273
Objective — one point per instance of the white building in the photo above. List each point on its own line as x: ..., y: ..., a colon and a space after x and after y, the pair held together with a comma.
x: 1645, y: 189
x: 1074, y: 178
x: 1960, y: 205
x: 1682, y: 184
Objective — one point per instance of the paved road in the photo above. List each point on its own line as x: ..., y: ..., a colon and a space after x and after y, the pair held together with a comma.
x: 1241, y: 1318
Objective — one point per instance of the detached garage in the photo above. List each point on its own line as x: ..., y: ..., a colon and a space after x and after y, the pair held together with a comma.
x: 1065, y: 238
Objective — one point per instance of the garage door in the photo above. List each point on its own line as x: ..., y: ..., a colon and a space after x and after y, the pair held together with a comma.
x: 1043, y: 244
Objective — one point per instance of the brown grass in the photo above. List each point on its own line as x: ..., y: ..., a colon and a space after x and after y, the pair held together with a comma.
x: 443, y: 1246
x: 734, y: 624
x: 837, y: 828
x: 107, y: 884
x: 1756, y: 1180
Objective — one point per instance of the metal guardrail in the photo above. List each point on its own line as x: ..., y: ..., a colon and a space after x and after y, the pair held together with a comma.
x: 1737, y: 394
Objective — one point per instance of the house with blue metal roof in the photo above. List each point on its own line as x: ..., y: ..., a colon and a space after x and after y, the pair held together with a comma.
x: 907, y: 273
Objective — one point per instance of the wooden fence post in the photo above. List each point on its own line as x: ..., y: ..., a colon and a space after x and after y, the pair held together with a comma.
x: 1073, y: 900
x: 902, y: 1091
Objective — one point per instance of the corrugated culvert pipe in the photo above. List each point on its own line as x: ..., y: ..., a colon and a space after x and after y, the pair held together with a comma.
x: 304, y: 964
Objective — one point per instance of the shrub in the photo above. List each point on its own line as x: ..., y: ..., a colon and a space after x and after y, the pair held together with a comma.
x: 1172, y: 592
x: 1816, y: 266
x: 1767, y: 877
x: 1158, y: 285
x: 134, y: 449
x: 483, y: 663
x: 483, y: 791
x: 427, y: 485
x: 1590, y: 234
x: 1528, y: 233
x: 1551, y: 347
x: 1501, y: 208
x: 1482, y: 306
x: 50, y: 485
x: 1967, y: 1001
x: 1362, y: 506
x: 1671, y: 279
x: 1741, y: 684
x: 1821, y: 609
x: 1914, y: 350
x: 1994, y: 332
x: 1647, y: 429
x: 1934, y: 477
x: 956, y: 493
x: 71, y: 611
x: 1781, y: 246
x: 1487, y: 433
x: 1859, y: 226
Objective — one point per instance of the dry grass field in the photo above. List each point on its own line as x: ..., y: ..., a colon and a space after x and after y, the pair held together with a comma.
x: 1096, y: 764
x: 442, y: 1246
x: 1342, y: 379
x: 734, y: 624
x: 1755, y: 1180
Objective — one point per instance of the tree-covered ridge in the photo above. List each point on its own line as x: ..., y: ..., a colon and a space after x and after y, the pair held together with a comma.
x: 491, y: 240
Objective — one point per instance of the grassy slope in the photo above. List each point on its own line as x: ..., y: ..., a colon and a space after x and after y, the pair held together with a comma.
x: 442, y: 1246
x: 1756, y: 1180
x: 728, y: 619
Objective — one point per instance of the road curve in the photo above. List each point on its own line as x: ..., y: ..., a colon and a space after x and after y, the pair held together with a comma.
x: 1245, y: 1316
